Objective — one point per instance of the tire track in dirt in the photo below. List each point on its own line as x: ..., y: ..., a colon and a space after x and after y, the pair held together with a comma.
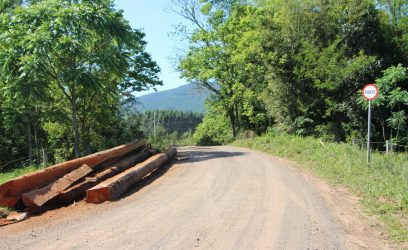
x: 220, y: 198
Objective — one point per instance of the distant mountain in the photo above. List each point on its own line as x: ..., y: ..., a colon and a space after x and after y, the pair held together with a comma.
x: 184, y: 98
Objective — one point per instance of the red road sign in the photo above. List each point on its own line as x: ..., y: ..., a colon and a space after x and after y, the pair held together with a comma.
x: 370, y: 91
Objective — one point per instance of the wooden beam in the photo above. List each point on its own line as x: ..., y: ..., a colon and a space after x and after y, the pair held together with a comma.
x: 39, y: 197
x: 10, y: 192
x: 113, y: 188
x: 79, y: 190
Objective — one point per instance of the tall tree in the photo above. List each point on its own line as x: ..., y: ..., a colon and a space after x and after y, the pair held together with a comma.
x: 73, y: 50
x: 319, y: 54
x: 224, y: 57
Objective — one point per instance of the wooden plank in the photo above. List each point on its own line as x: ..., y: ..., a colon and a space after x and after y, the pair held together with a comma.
x: 113, y: 188
x: 39, y: 197
x: 45, y: 176
x: 79, y: 190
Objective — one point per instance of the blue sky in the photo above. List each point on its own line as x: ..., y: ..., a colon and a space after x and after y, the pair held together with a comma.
x: 156, y: 22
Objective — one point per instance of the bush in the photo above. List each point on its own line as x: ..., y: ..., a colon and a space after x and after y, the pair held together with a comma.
x: 214, y: 130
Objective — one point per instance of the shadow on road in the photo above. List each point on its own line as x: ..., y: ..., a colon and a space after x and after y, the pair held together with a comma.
x: 191, y: 156
x: 198, y: 155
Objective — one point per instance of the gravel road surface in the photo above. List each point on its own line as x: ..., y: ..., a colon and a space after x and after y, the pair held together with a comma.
x: 218, y: 198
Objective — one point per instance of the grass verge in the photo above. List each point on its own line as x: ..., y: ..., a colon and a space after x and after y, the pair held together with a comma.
x: 13, y: 173
x: 383, y: 186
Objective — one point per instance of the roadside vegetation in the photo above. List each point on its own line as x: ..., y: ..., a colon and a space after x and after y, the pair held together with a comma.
x: 298, y: 66
x: 67, y: 70
x: 13, y: 173
x: 162, y: 128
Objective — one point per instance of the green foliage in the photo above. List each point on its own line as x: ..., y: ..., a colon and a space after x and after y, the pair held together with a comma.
x: 392, y: 103
x: 214, y: 130
x: 161, y: 140
x: 299, y: 65
x: 224, y: 58
x: 383, y: 185
x: 67, y: 69
x: 58, y: 140
x: 13, y: 173
x: 186, y: 139
x: 172, y: 121
x: 315, y: 66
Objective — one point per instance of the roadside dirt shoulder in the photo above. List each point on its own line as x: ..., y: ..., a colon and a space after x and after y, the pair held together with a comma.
x: 362, y: 231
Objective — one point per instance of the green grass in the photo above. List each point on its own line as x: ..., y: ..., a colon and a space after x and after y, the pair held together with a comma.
x: 5, y: 211
x: 382, y: 186
x: 10, y: 174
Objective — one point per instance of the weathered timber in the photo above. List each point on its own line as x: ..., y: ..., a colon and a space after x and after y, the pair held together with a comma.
x: 113, y: 188
x: 39, y: 197
x: 79, y: 190
x: 10, y: 192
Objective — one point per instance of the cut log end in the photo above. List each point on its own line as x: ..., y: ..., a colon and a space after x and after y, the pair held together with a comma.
x: 98, y: 195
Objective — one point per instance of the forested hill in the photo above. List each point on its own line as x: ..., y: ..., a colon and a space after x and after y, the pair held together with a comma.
x: 184, y: 98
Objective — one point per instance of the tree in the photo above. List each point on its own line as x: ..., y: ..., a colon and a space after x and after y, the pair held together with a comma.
x: 319, y: 55
x: 215, y: 128
x: 296, y: 65
x: 71, y: 52
x: 392, y: 103
x: 171, y: 120
x: 224, y: 58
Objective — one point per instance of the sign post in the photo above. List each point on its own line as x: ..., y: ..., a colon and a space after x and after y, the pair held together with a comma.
x: 370, y: 92
x: 369, y: 133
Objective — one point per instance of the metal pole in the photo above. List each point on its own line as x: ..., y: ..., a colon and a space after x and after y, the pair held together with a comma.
x: 368, y: 133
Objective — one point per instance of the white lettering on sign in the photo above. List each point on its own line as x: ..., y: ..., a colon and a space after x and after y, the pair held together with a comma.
x: 370, y: 91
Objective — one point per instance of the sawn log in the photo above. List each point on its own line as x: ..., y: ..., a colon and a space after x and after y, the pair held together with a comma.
x: 79, y: 190
x: 10, y: 192
x: 39, y: 197
x: 113, y: 188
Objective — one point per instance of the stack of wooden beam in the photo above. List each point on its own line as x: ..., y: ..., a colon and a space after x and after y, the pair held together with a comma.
x: 100, y: 177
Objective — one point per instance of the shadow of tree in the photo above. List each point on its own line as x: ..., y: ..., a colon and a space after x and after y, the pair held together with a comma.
x: 191, y: 155
x: 205, y: 155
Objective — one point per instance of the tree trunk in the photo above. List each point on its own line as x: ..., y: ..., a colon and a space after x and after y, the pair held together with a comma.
x: 85, y: 138
x: 30, y: 146
x: 36, y: 141
x: 232, y: 119
x: 75, y: 121
x: 237, y: 118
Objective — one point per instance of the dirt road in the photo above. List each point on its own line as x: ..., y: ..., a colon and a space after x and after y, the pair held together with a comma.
x: 221, y: 197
